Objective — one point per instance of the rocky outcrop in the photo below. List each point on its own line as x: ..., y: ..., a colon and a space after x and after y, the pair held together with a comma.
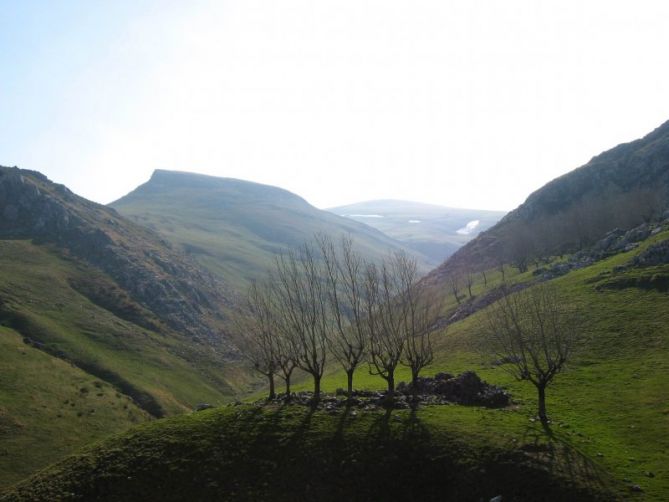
x: 657, y: 254
x: 178, y: 292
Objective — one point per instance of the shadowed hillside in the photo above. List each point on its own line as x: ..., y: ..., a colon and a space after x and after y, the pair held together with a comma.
x: 619, y: 188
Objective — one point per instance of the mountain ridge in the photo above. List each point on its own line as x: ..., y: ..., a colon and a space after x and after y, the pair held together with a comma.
x: 235, y: 228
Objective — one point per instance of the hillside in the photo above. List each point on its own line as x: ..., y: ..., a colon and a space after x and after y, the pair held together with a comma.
x: 102, y: 325
x: 608, y: 410
x: 619, y: 188
x: 291, y: 453
x: 435, y: 231
x: 235, y: 228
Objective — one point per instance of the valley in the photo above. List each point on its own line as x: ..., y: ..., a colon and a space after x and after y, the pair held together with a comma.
x: 91, y: 350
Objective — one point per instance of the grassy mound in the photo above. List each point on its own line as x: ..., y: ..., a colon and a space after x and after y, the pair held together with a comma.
x: 295, y: 453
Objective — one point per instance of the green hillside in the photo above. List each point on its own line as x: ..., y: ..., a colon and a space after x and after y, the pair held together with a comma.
x: 73, y: 344
x: 235, y: 228
x: 436, y: 231
x: 292, y: 453
x: 91, y: 303
x: 609, y: 414
x: 612, y: 403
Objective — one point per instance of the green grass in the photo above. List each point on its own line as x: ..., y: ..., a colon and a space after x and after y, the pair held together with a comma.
x: 49, y: 408
x: 157, y: 369
x: 235, y: 228
x: 293, y: 453
x: 612, y: 402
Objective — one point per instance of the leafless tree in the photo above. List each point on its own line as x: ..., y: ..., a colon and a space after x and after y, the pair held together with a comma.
x: 385, y: 318
x: 454, y: 283
x: 286, y: 361
x: 469, y: 279
x: 348, y: 339
x: 421, y: 310
x: 257, y: 328
x: 534, y: 333
x: 302, y: 307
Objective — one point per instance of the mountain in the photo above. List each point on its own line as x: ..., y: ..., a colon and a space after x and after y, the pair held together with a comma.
x: 619, y: 188
x: 435, y: 231
x: 102, y: 324
x: 235, y: 228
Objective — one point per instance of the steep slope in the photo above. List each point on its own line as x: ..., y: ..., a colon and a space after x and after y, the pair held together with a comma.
x: 234, y: 227
x: 156, y: 276
x: 435, y: 231
x: 87, y: 296
x: 619, y: 188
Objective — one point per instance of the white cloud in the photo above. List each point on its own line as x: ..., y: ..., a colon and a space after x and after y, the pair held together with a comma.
x: 468, y: 228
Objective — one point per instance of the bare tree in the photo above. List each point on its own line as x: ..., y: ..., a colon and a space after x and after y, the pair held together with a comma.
x: 348, y: 339
x: 385, y: 317
x: 302, y: 307
x: 469, y: 278
x: 286, y: 361
x: 257, y: 328
x: 421, y: 310
x: 454, y: 283
x: 534, y: 334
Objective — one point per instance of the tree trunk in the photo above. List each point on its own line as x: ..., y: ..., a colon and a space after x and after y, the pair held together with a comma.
x: 414, y: 382
x: 542, y: 404
x: 391, y: 383
x: 317, y: 387
x: 272, y: 392
x: 349, y: 375
x: 288, y: 388
x: 485, y: 279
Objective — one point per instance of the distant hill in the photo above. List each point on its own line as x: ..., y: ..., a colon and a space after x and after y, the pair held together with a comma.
x: 102, y: 324
x: 436, y: 231
x: 619, y: 188
x: 235, y: 228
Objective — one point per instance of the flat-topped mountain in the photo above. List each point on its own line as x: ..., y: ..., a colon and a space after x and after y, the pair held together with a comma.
x: 436, y: 231
x: 235, y: 227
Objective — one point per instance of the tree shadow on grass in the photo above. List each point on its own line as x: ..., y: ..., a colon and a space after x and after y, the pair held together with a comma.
x: 556, y: 453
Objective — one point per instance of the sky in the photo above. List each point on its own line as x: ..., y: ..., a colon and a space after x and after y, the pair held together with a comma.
x: 458, y: 103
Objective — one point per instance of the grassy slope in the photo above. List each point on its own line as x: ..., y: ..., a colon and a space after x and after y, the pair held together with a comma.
x: 612, y: 403
x: 609, y: 409
x: 291, y: 453
x: 37, y: 300
x: 38, y: 389
x: 236, y: 228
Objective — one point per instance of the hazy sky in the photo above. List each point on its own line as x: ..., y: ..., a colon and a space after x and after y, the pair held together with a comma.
x: 461, y: 103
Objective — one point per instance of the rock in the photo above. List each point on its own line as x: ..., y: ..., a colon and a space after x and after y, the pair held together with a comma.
x: 649, y: 474
x: 657, y: 254
x: 203, y: 406
x: 443, y: 376
x: 636, y: 488
x: 498, y: 498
